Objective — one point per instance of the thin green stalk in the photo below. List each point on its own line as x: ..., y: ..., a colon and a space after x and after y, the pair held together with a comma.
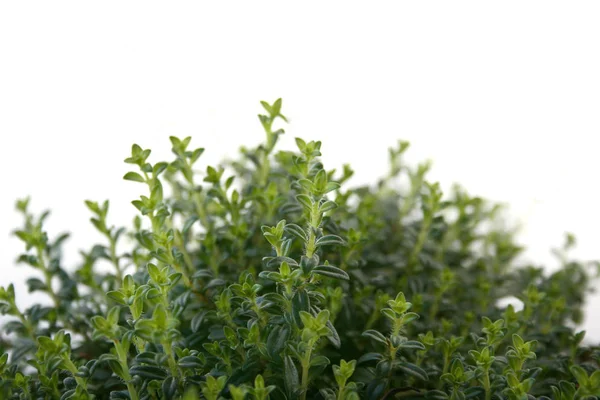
x: 186, y: 255
x: 72, y: 368
x: 393, y: 352
x: 264, y: 169
x: 340, y: 395
x: 48, y: 280
x: 446, y: 363
x: 179, y: 268
x: 115, y: 259
x: 487, y: 385
x: 412, y: 259
x: 311, y: 242
x: 47, y: 275
x: 26, y: 323
x: 435, y: 306
x: 168, y: 347
x: 305, y: 368
x: 372, y: 319
x: 440, y: 383
x: 125, y: 367
x: 197, y: 200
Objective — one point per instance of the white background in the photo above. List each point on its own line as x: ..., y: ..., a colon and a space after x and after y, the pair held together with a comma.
x: 502, y: 96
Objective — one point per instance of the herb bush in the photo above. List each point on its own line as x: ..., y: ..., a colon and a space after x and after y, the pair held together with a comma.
x: 265, y: 278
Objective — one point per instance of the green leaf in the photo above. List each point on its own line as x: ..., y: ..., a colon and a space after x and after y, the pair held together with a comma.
x: 292, y: 381
x: 413, y: 344
x: 148, y: 372
x: 370, y: 357
x: 327, y: 206
x: 266, y: 106
x: 319, y: 361
x: 512, y: 380
x: 594, y: 379
x: 230, y: 335
x: 307, y: 185
x: 306, y: 319
x: 35, y: 284
x: 159, y: 168
x: 113, y: 315
x: 556, y: 393
x: 276, y: 108
x: 133, y: 176
x: 375, y: 335
x: 568, y: 389
x: 300, y: 302
x: 409, y: 317
x: 320, y: 180
x: 137, y: 307
x: 331, y: 272
x: 93, y: 206
x: 175, y: 141
x: 277, y: 339
x: 333, y: 335
x: 389, y: 313
x: 196, y: 154
x: 331, y: 186
x: 411, y: 369
x: 296, y: 231
x: 169, y: 388
x: 191, y: 362
x: 196, y: 322
x: 329, y: 240
x: 156, y: 192
x: 305, y: 201
x: 579, y: 374
x: 160, y: 316
x: 154, y: 273
x: 436, y: 395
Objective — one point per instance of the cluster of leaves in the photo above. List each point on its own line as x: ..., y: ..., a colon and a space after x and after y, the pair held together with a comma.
x: 267, y: 279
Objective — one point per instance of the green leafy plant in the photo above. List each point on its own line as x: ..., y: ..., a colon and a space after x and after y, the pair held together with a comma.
x: 266, y: 277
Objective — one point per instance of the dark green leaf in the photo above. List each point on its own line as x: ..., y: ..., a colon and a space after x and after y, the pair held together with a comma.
x: 292, y: 382
x: 375, y: 335
x: 411, y: 369
x: 148, y: 372
x: 331, y: 272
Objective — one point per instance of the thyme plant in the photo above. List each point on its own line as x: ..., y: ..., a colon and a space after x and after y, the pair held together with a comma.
x: 266, y: 277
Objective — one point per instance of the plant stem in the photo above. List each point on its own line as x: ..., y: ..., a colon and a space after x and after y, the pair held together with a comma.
x: 179, y: 268
x: 305, y: 368
x: 312, y: 225
x: 487, y: 385
x: 372, y: 319
x: 47, y: 275
x: 198, y: 203
x: 412, y: 260
x: 440, y: 383
x: 125, y: 367
x: 435, y: 306
x: 26, y: 323
x: 73, y: 369
x: 340, y: 395
x: 115, y: 259
x: 186, y: 255
x: 168, y: 347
